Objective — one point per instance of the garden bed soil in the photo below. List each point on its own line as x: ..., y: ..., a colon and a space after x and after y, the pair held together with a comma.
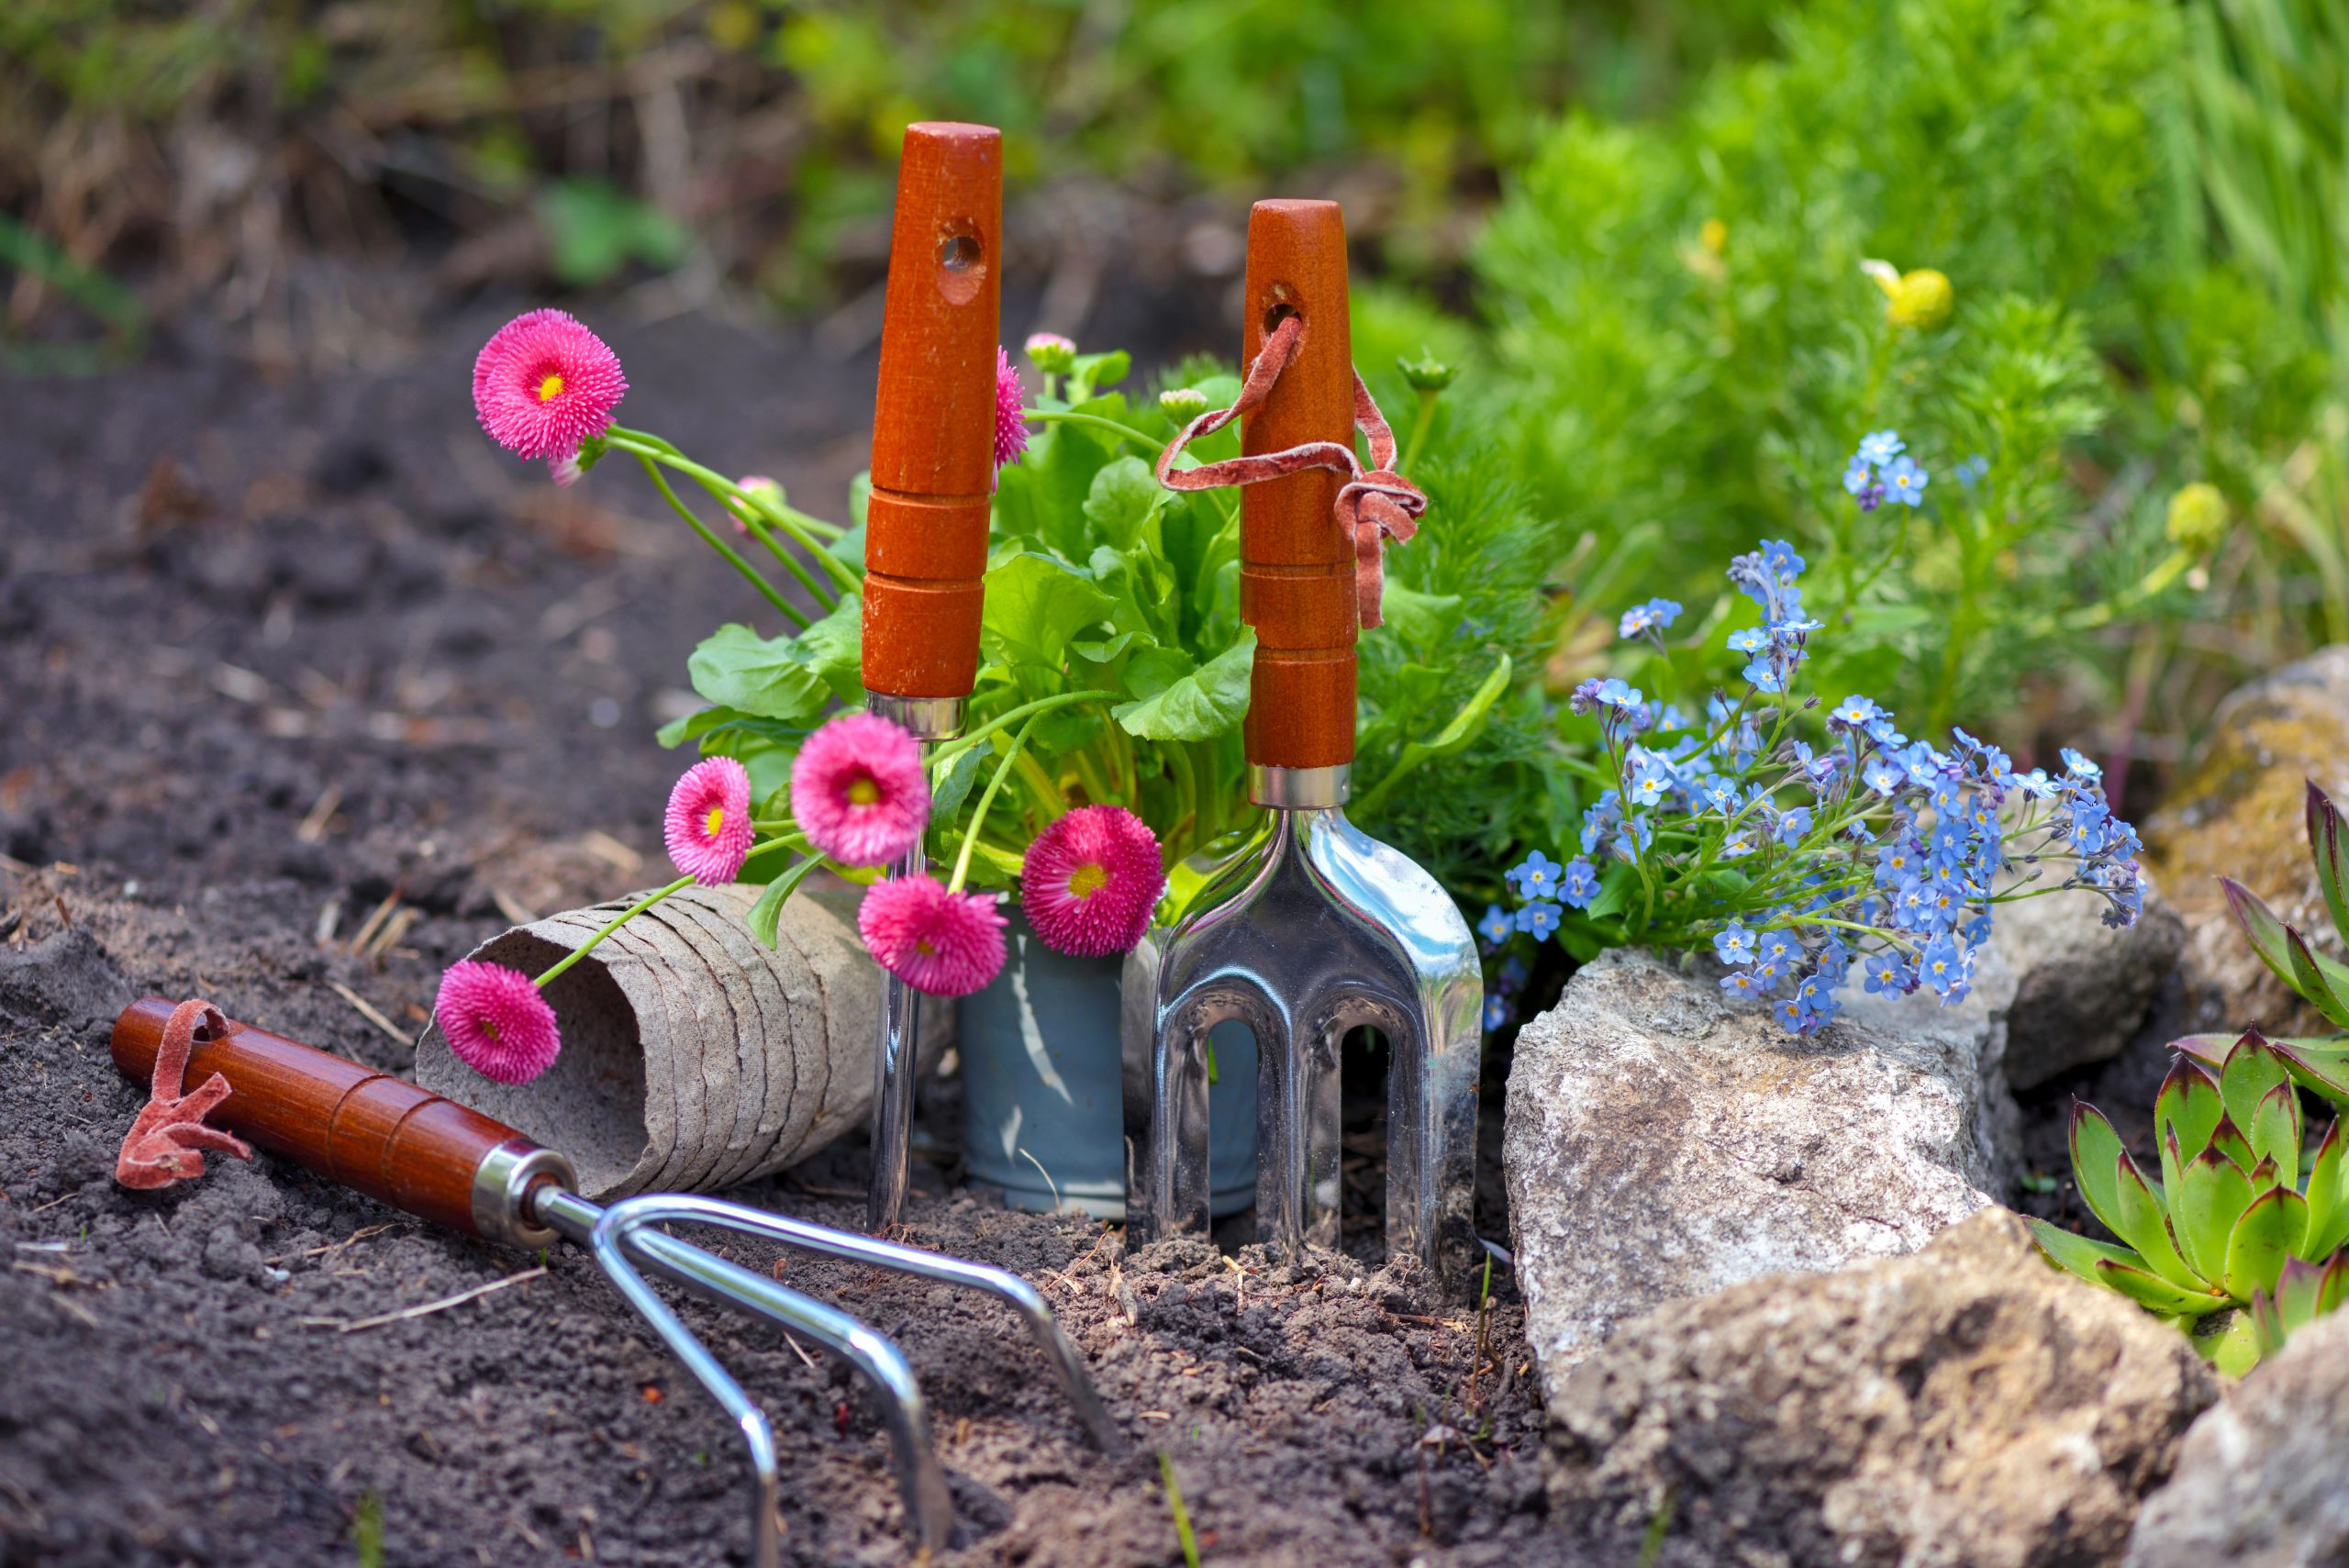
x: 304, y: 690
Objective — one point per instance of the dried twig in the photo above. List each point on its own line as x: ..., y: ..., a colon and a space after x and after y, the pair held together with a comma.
x: 427, y: 1309
x: 367, y: 1010
x: 313, y: 827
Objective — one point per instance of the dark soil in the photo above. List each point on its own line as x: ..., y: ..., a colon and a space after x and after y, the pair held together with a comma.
x: 282, y: 667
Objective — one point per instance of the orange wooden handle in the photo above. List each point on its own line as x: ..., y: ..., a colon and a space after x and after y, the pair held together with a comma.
x: 372, y: 1132
x: 933, y: 421
x: 1296, y: 570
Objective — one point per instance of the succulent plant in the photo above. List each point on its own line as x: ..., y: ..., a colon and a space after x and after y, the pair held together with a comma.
x: 2322, y: 1065
x: 2231, y: 1229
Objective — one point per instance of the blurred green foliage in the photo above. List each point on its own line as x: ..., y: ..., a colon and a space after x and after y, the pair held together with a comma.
x: 1688, y: 348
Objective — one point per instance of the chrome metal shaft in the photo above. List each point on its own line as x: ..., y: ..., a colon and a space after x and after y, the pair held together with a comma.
x: 897, y: 1038
x: 1306, y: 930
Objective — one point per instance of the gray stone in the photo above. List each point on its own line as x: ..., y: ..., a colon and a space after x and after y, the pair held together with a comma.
x: 1662, y: 1143
x: 1964, y: 1408
x: 2239, y: 813
x: 2081, y: 986
x: 2262, y: 1479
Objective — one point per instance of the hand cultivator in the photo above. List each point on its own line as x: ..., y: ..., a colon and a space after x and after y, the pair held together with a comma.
x: 925, y: 525
x: 434, y: 1159
x: 1311, y: 929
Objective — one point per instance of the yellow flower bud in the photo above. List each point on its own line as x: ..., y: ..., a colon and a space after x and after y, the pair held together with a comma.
x: 1715, y: 234
x: 1922, y: 299
x: 2198, y: 518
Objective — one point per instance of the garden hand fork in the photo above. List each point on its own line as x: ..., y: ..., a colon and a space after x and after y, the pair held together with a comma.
x: 1312, y: 927
x: 925, y: 525
x: 434, y: 1159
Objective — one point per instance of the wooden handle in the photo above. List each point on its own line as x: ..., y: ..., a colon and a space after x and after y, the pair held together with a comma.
x: 374, y: 1133
x: 1296, y: 570
x: 933, y: 422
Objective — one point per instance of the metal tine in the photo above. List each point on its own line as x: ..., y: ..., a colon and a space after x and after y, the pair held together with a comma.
x: 616, y: 1233
x: 1001, y: 1283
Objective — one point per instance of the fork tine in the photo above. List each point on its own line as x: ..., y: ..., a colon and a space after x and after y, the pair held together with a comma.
x: 1006, y: 1287
x: 620, y: 1232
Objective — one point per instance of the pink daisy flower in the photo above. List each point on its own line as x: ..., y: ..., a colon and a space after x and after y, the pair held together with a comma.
x: 754, y: 484
x: 946, y: 944
x: 1091, y: 880
x: 857, y: 790
x: 497, y: 1021
x: 707, y: 827
x: 1010, y: 430
x: 1051, y: 353
x: 545, y: 383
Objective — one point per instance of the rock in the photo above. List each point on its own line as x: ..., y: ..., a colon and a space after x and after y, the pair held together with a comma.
x: 1965, y: 1407
x: 2081, y: 987
x: 2259, y: 1480
x: 2239, y: 814
x: 1662, y: 1143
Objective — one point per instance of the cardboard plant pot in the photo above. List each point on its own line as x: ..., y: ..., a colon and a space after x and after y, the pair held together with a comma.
x: 1042, y: 1109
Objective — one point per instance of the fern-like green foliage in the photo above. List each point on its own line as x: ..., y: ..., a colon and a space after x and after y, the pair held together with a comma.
x: 2231, y: 1244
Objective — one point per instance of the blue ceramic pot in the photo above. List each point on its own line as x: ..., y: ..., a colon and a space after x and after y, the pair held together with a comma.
x: 1042, y: 1112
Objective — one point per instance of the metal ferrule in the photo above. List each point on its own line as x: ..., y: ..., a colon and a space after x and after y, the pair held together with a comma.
x: 1299, y: 789
x: 502, y: 1210
x: 1308, y: 932
x: 930, y: 718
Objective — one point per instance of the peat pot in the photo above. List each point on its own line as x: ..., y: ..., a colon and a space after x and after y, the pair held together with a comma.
x: 1042, y: 1115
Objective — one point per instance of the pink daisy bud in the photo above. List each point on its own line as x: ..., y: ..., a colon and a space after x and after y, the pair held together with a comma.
x: 1051, y: 353
x: 758, y: 486
x: 707, y: 828
x: 497, y: 1021
x: 946, y: 944
x: 545, y: 383
x: 857, y: 790
x: 1091, y: 880
x: 1010, y: 430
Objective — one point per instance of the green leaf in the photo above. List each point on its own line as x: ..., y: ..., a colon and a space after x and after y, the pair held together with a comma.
x: 1034, y: 606
x: 1423, y: 620
x: 1209, y: 701
x: 1615, y: 888
x: 595, y: 229
x: 2263, y: 1237
x: 2297, y: 1290
x: 2331, y: 857
x: 2250, y: 1071
x: 2227, y: 1139
x: 2145, y: 1226
x: 2319, y: 1066
x: 2151, y: 1290
x: 2208, y: 1200
x: 2189, y: 1104
x: 1122, y: 499
x: 2332, y: 1287
x: 1093, y: 372
x: 791, y: 678
x: 953, y: 786
x: 766, y: 914
x: 2077, y: 1254
x: 2313, y: 977
x: 2328, y: 1196
x: 2261, y: 927
x: 2276, y: 1129
x: 2096, y: 1148
x: 2230, y: 1343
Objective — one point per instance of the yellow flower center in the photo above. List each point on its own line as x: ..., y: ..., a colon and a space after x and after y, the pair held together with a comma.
x: 550, y: 388
x: 1088, y: 880
x: 716, y: 820
x: 922, y: 946
x: 863, y: 792
x: 487, y: 1028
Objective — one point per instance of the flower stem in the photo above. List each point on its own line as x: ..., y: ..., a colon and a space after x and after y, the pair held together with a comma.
x: 1418, y: 430
x: 622, y: 918
x: 1070, y: 416
x: 732, y: 556
x: 986, y: 798
x: 954, y: 749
